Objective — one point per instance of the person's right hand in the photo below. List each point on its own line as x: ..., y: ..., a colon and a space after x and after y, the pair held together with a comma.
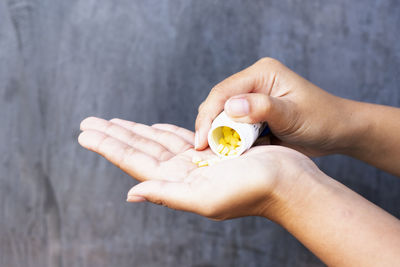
x: 300, y: 114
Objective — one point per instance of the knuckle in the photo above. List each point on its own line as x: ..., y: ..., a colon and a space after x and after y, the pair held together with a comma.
x: 201, y: 118
x: 253, y: 118
x: 159, y: 198
x: 264, y: 104
x: 102, y: 144
x: 269, y: 61
x: 264, y: 110
x: 109, y: 127
x: 218, y: 89
x: 201, y: 106
x: 160, y: 202
x: 216, y: 92
x: 260, y: 107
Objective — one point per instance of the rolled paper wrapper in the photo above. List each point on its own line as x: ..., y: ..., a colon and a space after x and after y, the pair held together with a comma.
x: 248, y: 133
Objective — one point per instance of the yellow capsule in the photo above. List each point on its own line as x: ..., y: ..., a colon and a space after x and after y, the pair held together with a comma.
x: 196, y: 159
x: 225, y: 150
x: 226, y: 131
x: 234, y: 141
x: 202, y: 163
x: 220, y: 147
x: 222, y: 141
x: 228, y: 139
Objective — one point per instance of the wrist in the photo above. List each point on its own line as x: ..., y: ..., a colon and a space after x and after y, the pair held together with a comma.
x: 351, y: 129
x: 293, y: 192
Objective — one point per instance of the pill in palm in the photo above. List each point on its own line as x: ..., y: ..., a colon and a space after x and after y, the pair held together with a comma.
x: 205, y: 162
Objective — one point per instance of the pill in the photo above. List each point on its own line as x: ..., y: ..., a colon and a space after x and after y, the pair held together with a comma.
x: 228, y: 139
x: 226, y: 130
x: 225, y: 150
x: 200, y: 162
x: 203, y: 163
x: 234, y: 141
x: 220, y: 148
x: 228, y: 142
x: 222, y: 141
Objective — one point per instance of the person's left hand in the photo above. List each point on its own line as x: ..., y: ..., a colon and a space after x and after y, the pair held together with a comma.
x: 160, y: 156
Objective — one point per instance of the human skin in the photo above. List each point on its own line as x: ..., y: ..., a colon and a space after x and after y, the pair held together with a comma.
x: 275, y: 182
x: 304, y: 117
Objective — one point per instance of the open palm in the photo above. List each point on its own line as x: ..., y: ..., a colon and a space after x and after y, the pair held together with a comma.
x: 160, y: 156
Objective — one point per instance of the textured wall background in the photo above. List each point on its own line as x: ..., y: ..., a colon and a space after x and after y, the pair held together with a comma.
x: 155, y: 61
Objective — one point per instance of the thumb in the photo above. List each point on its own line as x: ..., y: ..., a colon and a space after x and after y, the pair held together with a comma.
x: 176, y: 195
x: 253, y: 108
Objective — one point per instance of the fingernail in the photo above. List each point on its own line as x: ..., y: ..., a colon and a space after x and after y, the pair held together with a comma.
x: 237, y: 107
x: 196, y: 140
x: 132, y: 198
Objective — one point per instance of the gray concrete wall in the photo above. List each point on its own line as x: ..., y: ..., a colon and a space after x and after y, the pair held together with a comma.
x: 155, y: 61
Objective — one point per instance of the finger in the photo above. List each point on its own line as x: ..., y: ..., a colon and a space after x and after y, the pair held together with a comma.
x: 257, y: 78
x: 214, y: 104
x: 175, y: 195
x: 253, y: 108
x: 171, y: 141
x: 136, y: 141
x: 134, y: 162
x: 182, y: 132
